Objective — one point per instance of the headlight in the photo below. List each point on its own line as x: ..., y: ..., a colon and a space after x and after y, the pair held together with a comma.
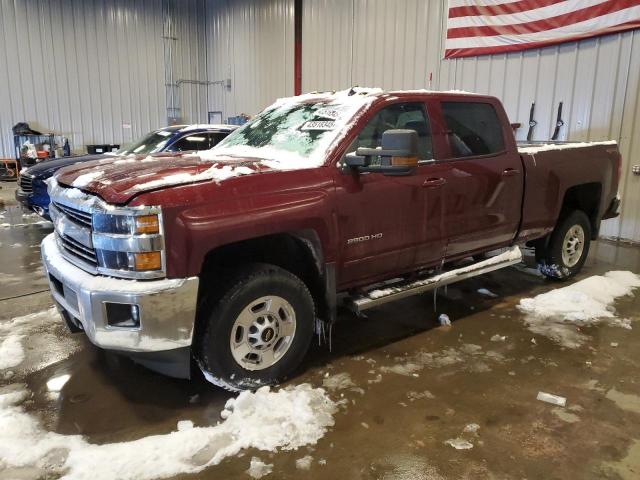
x: 125, y: 224
x: 129, y: 243
x: 148, y: 224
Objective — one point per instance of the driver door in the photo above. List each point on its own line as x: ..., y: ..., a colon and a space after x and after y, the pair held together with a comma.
x: 382, y: 219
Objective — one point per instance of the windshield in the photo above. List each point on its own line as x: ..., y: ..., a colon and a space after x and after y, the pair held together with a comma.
x: 153, y: 142
x: 293, y: 134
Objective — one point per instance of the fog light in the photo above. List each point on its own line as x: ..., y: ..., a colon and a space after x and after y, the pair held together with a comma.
x: 147, y: 224
x: 122, y: 315
x: 147, y: 261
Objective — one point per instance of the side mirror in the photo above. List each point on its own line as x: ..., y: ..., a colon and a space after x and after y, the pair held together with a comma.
x: 399, y: 154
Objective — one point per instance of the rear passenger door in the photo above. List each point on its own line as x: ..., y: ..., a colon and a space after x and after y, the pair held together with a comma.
x: 484, y: 181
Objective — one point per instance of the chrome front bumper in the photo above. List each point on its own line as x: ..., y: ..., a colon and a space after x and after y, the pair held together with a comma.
x: 167, y: 308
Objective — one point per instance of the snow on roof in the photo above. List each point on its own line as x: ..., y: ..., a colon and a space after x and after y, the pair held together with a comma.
x: 205, y: 126
x: 435, y: 92
x: 544, y: 147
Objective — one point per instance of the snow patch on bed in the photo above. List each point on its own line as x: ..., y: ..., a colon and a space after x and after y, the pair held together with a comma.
x: 555, y: 314
x: 266, y: 420
x: 545, y: 147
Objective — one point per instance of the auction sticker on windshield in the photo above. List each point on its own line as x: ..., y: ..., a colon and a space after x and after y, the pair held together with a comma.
x: 319, y: 125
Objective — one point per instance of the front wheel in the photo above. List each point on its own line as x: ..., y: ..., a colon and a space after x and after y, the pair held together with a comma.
x: 568, y: 247
x: 257, y: 332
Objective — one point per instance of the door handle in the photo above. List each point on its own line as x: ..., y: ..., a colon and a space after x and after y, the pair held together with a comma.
x: 434, y: 182
x: 510, y: 172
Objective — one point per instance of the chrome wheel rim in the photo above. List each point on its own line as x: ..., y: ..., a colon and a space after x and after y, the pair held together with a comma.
x: 263, y: 332
x: 573, y: 246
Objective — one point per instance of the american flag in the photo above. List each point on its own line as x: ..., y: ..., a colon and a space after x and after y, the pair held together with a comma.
x: 478, y: 27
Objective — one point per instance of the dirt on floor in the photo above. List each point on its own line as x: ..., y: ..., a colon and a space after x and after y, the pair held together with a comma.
x: 411, y: 391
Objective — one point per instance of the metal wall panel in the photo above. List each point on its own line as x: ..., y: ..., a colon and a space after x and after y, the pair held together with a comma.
x: 251, y: 44
x: 397, y: 44
x: 87, y: 69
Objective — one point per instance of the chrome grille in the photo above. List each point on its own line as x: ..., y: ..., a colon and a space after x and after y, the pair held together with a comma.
x: 26, y: 183
x: 73, y: 234
x: 78, y: 250
x: 78, y: 216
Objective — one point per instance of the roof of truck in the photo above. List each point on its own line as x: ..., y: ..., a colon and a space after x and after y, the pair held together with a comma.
x: 375, y: 92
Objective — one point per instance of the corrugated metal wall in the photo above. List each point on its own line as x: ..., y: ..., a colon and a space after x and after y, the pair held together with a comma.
x: 397, y: 44
x: 251, y: 43
x: 85, y: 68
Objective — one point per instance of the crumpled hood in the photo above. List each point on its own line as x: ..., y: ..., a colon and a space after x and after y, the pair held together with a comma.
x: 117, y: 180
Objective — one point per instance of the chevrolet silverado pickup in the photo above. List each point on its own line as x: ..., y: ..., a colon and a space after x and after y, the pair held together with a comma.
x: 32, y: 187
x: 231, y: 259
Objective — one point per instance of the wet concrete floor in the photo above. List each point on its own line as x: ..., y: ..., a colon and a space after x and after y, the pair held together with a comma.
x: 395, y: 422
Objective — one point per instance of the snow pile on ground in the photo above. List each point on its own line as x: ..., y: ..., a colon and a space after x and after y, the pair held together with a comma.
x: 339, y: 381
x: 266, y: 420
x: 469, y: 356
x: 463, y: 442
x: 258, y: 469
x: 304, y: 463
x: 555, y: 314
x: 14, y: 332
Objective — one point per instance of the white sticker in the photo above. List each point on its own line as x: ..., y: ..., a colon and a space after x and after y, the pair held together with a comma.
x: 327, y: 112
x: 319, y: 125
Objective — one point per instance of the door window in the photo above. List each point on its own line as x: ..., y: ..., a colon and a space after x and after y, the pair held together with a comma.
x: 196, y: 141
x: 409, y: 116
x: 215, y: 138
x: 473, y: 128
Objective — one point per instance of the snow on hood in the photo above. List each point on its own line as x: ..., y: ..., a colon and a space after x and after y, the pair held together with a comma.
x: 544, y: 147
x: 118, y: 180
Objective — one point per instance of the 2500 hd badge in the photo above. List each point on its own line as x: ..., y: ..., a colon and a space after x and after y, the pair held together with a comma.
x: 366, y: 238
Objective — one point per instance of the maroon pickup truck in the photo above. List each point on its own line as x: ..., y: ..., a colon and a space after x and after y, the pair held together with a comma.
x: 235, y: 257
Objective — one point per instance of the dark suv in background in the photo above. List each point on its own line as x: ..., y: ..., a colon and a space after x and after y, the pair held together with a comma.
x: 32, y: 189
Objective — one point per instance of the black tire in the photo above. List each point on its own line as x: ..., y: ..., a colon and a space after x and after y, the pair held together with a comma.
x: 218, y: 314
x: 550, y: 258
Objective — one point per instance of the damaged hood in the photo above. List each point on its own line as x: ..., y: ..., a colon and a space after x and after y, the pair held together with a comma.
x: 118, y: 180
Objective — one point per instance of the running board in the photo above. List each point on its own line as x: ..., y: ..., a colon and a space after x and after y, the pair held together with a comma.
x: 380, y: 296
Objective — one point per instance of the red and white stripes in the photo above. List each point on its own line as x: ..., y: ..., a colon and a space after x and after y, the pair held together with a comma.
x: 478, y: 27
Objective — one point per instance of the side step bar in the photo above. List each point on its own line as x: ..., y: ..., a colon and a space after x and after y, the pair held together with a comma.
x: 377, y: 297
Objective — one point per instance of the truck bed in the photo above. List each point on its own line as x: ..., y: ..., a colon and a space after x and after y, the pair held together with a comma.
x: 586, y: 173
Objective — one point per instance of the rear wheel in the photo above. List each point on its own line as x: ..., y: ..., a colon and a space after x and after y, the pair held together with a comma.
x: 257, y: 332
x: 568, y: 247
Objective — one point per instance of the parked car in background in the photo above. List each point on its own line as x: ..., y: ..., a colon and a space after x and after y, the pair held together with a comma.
x: 32, y: 189
x: 234, y: 257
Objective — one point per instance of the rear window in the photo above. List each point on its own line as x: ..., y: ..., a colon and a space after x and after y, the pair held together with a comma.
x: 473, y: 128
